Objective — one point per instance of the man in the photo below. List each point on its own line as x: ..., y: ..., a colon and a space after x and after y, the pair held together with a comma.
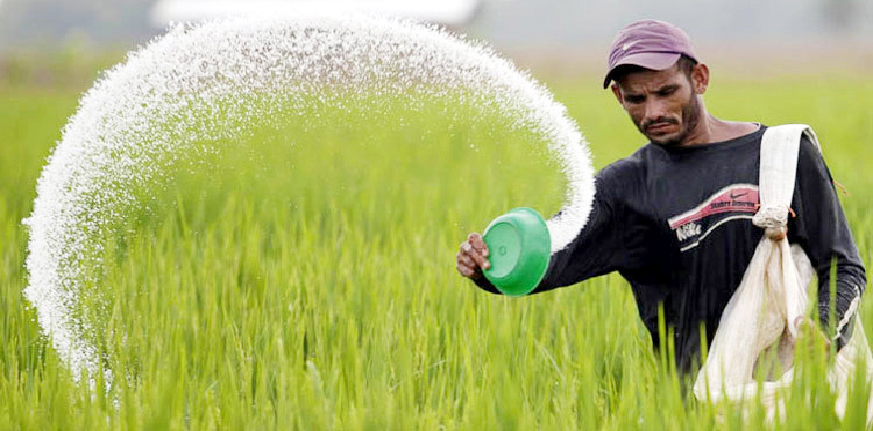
x: 674, y: 218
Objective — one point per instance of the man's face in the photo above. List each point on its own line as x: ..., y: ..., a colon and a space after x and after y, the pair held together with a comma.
x: 662, y: 104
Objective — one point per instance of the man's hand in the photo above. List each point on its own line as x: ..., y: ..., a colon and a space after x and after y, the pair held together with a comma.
x: 472, y: 257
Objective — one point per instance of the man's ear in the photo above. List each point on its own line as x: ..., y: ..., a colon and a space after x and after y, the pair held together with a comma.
x: 617, y: 92
x: 700, y: 78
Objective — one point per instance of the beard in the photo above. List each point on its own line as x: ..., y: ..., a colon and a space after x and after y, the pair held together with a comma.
x: 690, y: 119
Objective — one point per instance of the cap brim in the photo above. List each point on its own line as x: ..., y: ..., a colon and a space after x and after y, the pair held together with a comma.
x: 647, y: 60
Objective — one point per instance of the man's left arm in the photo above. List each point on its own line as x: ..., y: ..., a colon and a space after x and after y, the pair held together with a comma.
x: 821, y: 229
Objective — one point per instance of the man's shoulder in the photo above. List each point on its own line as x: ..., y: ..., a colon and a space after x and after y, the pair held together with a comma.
x: 808, y: 148
x: 629, y: 167
x: 809, y: 151
x: 810, y: 160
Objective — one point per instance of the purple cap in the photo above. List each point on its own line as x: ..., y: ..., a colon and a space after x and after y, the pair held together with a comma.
x: 652, y: 44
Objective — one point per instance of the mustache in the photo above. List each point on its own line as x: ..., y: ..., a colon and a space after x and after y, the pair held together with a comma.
x: 659, y: 120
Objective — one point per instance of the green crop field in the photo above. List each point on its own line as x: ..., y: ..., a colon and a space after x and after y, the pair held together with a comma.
x: 308, y: 281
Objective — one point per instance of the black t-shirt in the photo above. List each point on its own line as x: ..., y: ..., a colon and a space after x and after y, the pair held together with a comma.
x: 677, y: 224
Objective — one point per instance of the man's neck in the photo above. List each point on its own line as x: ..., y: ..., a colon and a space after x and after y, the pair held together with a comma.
x: 712, y: 129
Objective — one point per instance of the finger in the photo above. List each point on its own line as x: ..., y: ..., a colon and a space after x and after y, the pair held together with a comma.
x: 467, y: 261
x: 478, y: 243
x: 468, y: 250
x: 479, y: 261
x: 466, y: 271
x: 475, y: 261
x: 483, y: 262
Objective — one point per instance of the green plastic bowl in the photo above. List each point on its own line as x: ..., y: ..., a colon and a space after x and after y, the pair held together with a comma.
x: 519, y: 247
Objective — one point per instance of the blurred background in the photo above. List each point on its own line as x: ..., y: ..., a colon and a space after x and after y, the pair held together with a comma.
x: 355, y: 273
x: 58, y: 42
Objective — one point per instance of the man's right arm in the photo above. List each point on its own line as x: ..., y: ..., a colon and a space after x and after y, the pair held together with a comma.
x: 596, y: 250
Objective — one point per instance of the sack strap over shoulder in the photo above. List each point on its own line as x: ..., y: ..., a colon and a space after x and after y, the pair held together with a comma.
x: 780, y: 147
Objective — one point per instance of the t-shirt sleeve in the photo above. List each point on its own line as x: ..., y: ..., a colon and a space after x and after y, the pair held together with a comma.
x: 613, y: 238
x: 821, y: 229
x: 596, y: 250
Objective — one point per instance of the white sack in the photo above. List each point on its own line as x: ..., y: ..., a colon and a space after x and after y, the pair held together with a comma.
x: 759, y: 319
